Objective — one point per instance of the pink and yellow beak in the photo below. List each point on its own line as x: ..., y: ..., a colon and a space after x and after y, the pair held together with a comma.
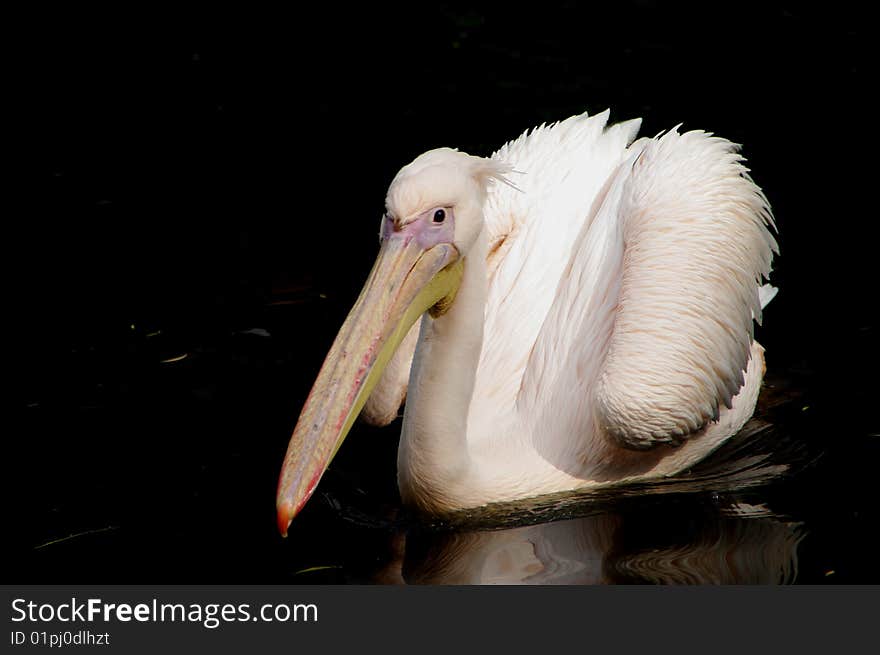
x: 409, y: 278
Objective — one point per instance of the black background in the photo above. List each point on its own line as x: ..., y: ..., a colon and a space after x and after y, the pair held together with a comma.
x: 191, y: 175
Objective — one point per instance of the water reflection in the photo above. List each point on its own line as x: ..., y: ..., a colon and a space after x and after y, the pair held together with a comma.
x: 608, y: 549
x: 709, y: 526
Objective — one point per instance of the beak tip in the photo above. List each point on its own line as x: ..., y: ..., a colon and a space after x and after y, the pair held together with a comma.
x: 286, y: 512
x: 288, y: 505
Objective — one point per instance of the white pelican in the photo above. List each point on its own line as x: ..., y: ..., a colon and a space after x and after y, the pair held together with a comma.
x: 586, y: 305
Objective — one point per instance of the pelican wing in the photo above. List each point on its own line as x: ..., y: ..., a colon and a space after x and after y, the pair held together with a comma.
x: 651, y: 323
x: 559, y: 171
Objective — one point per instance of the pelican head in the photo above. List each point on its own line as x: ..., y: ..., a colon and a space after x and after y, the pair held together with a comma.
x: 432, y: 220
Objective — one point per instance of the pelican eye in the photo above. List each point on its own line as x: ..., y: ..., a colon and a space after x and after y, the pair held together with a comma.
x: 439, y: 216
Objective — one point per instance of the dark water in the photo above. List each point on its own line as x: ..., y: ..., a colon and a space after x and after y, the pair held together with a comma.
x: 198, y: 208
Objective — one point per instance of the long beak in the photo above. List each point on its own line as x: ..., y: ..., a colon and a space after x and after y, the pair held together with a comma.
x: 406, y: 281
